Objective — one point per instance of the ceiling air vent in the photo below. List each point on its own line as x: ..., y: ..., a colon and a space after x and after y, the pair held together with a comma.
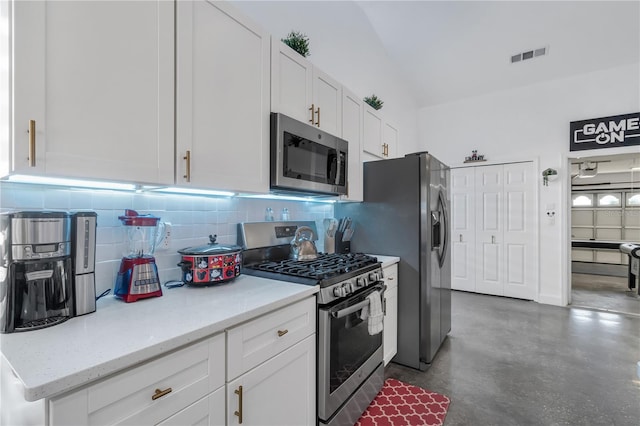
x: 529, y: 54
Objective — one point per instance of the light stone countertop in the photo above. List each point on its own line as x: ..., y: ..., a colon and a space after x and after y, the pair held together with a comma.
x: 120, y: 335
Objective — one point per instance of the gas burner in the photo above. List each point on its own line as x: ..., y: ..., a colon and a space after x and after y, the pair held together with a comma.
x: 326, y: 266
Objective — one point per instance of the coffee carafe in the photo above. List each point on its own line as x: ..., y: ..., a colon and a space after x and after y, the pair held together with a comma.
x: 83, y: 256
x: 36, y: 288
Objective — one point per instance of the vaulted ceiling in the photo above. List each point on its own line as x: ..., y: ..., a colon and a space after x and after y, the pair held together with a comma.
x: 449, y: 50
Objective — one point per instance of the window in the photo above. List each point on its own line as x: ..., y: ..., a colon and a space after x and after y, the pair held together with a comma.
x: 610, y: 199
x: 633, y: 199
x: 582, y: 200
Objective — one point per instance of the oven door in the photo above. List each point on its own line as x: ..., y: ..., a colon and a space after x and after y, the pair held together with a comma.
x: 347, y: 353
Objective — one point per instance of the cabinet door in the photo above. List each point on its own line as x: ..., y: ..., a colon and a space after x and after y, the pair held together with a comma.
x: 291, y: 83
x: 390, y: 330
x: 372, y: 132
x: 390, y: 140
x: 210, y: 411
x: 463, y: 229
x: 489, y: 229
x: 97, y: 78
x: 519, y: 234
x: 279, y: 392
x: 352, y: 133
x: 222, y: 98
x: 327, y: 100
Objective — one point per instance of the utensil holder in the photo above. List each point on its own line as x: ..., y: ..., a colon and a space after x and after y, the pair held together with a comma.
x: 329, y: 244
x: 341, y: 246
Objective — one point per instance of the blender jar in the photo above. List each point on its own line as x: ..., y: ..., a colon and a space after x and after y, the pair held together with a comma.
x: 143, y: 233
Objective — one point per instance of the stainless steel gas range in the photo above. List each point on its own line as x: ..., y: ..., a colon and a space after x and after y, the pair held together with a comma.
x: 350, y: 366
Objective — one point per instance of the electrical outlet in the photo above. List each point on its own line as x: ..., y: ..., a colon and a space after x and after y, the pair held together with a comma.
x: 166, y: 241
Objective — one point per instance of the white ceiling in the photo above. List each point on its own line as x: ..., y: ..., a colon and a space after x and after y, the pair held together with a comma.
x: 449, y: 50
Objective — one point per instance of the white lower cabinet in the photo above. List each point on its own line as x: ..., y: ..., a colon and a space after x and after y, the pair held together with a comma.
x: 279, y: 392
x: 390, y: 331
x: 149, y: 393
x: 261, y: 372
x: 271, y: 368
x: 210, y: 410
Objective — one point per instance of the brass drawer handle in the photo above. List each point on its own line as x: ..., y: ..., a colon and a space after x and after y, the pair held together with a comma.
x: 318, y: 112
x: 239, y: 412
x: 390, y: 278
x: 312, y: 109
x: 160, y: 393
x: 32, y: 143
x: 282, y: 332
x: 187, y: 157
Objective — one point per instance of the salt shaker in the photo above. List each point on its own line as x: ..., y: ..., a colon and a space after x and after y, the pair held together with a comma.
x: 285, y: 214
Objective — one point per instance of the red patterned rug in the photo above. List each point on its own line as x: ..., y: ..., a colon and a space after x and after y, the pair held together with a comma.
x: 399, y: 404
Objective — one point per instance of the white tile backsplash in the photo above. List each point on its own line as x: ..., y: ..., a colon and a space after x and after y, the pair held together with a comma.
x: 192, y: 219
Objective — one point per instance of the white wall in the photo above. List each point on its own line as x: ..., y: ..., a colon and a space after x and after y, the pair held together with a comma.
x: 528, y: 123
x: 344, y: 45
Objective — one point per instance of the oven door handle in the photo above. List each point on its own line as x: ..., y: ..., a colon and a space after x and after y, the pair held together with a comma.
x: 350, y: 309
x: 354, y: 308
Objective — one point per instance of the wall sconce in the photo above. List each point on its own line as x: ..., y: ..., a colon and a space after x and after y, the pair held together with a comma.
x: 549, y: 175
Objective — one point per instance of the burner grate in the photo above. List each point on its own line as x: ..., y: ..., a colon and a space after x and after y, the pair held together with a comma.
x: 324, y: 267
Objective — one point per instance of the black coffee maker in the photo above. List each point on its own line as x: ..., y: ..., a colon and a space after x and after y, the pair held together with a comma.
x: 36, y: 288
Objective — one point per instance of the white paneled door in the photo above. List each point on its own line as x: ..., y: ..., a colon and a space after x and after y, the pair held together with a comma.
x: 493, y: 230
x: 489, y: 225
x: 463, y: 235
x: 519, y: 233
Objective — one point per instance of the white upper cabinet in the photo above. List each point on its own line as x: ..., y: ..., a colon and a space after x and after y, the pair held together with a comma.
x: 373, y: 132
x: 352, y: 108
x: 302, y: 91
x: 390, y: 140
x: 222, y: 107
x: 95, y: 80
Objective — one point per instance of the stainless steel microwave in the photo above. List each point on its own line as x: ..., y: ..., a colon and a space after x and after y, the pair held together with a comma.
x: 306, y: 159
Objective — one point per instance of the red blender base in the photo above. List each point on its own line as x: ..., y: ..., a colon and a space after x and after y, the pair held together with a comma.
x: 137, y: 279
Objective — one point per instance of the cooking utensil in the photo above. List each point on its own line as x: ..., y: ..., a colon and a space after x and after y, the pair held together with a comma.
x: 211, y: 263
x: 302, y: 245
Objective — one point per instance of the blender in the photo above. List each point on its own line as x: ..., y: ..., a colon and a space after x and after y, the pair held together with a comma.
x: 138, y: 274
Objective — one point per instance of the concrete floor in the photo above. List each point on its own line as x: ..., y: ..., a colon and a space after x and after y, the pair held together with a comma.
x: 605, y: 293
x: 513, y: 362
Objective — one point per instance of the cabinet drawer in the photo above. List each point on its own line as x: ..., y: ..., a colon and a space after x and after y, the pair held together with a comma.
x: 391, y: 276
x: 258, y: 340
x: 126, y: 398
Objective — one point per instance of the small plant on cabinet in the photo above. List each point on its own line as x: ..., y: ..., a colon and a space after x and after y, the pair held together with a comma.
x: 298, y: 42
x: 374, y: 101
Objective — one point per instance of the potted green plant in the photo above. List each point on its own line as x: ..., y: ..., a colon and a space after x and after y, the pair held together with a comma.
x: 374, y: 101
x: 298, y: 42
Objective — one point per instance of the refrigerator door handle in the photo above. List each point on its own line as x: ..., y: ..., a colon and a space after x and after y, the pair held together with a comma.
x: 435, y: 230
x: 442, y: 209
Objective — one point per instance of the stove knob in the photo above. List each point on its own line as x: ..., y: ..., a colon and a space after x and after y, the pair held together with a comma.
x: 361, y: 282
x: 339, y: 292
x: 374, y: 276
x: 348, y: 287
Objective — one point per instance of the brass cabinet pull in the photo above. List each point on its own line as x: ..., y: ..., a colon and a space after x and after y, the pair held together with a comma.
x: 187, y: 157
x: 390, y: 278
x: 460, y: 237
x: 282, y: 332
x: 160, y: 393
x: 312, y: 109
x: 318, y: 112
x: 239, y: 412
x: 493, y: 239
x: 385, y: 149
x: 32, y: 143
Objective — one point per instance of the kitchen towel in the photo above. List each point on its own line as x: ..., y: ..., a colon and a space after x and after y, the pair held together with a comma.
x: 373, y: 313
x: 402, y: 404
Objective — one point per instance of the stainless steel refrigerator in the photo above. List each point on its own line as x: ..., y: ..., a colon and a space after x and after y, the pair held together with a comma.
x: 405, y: 213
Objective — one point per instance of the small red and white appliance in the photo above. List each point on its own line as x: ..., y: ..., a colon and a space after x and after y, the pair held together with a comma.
x: 211, y: 263
x: 138, y: 275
